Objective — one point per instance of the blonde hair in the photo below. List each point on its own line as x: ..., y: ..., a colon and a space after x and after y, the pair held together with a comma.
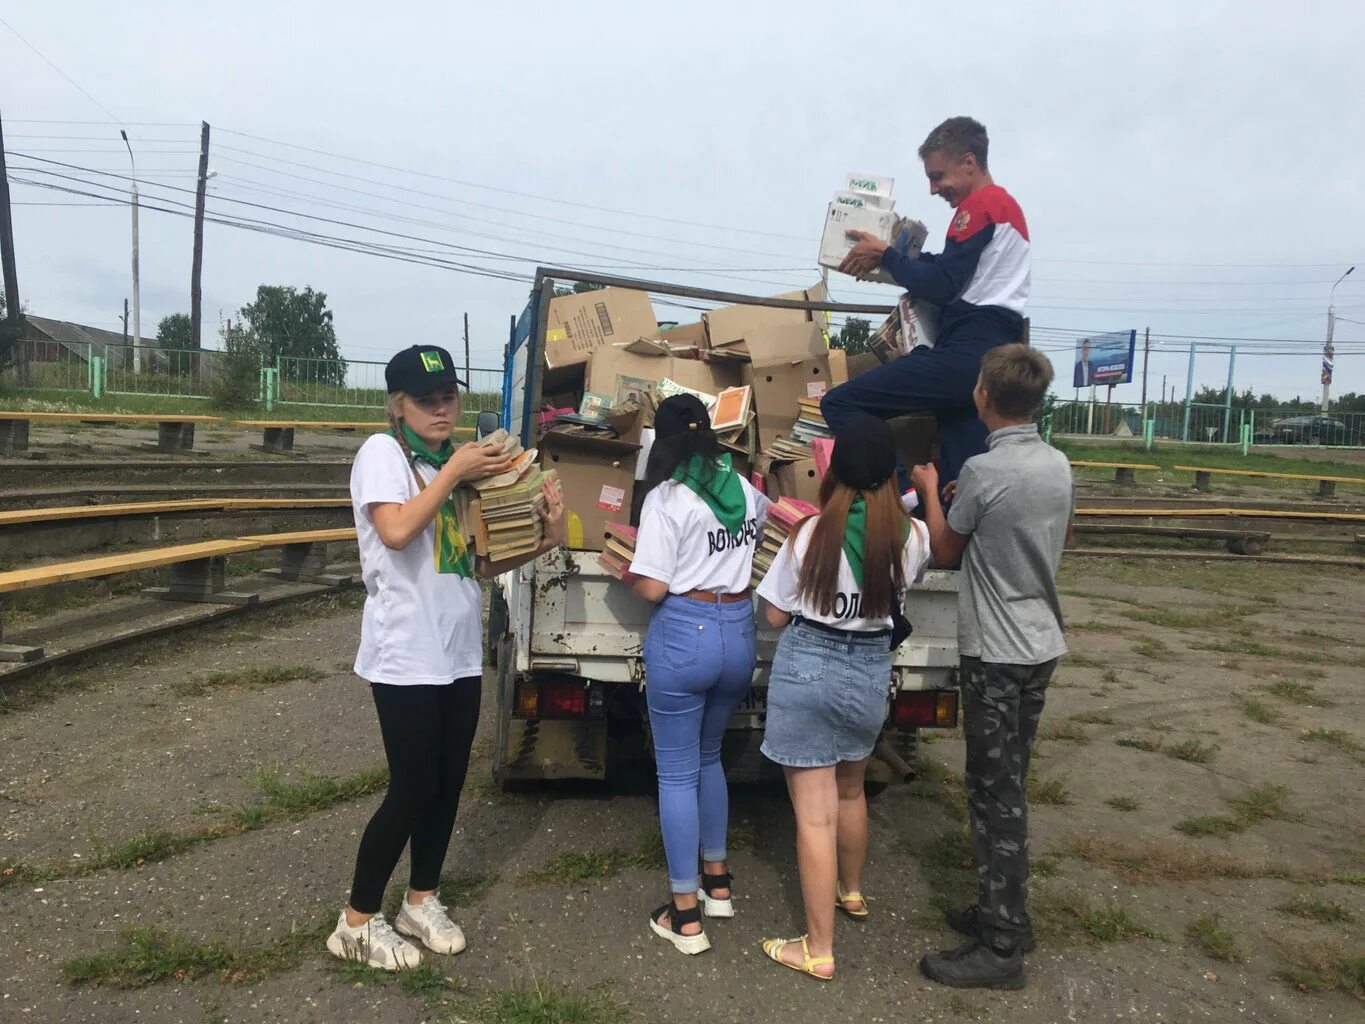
x: 395, y: 408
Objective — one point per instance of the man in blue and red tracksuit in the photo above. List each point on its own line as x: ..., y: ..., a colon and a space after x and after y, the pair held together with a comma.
x: 980, y: 282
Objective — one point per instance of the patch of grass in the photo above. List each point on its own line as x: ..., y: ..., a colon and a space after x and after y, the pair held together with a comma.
x: 1052, y: 792
x: 1095, y: 595
x: 1297, y: 692
x: 1315, y: 909
x: 934, y: 782
x: 1254, y: 649
x: 1150, y: 742
x: 1338, y: 738
x: 146, y: 848
x: 949, y: 868
x: 426, y: 982
x: 576, y: 868
x: 146, y: 956
x: 1215, y: 938
x: 463, y: 890
x: 1094, y: 718
x: 1265, y: 801
x: 1193, y: 751
x: 1315, y: 965
x: 1180, y: 618
x: 1075, y: 914
x: 1045, y: 867
x: 1259, y: 711
x: 1123, y: 803
x: 1151, y: 647
x: 1152, y: 860
x: 1097, y: 626
x: 1065, y: 731
x: 257, y: 678
x: 1083, y: 661
x: 314, y: 792
x: 538, y: 1006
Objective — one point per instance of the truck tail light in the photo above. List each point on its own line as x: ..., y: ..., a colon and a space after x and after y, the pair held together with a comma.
x: 925, y: 709
x: 559, y: 698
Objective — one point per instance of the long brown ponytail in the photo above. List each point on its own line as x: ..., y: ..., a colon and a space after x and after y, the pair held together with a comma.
x: 884, y: 544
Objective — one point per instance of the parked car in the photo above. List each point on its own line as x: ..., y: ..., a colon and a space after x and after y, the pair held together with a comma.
x: 1305, y: 430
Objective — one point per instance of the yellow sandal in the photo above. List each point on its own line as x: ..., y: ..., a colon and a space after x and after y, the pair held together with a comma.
x: 845, y: 898
x: 773, y: 949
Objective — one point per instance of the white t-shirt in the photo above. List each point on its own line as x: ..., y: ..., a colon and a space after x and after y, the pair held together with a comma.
x: 681, y: 543
x: 420, y: 627
x: 779, y: 587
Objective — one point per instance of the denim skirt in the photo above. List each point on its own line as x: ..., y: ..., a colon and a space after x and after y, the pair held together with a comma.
x: 827, y: 696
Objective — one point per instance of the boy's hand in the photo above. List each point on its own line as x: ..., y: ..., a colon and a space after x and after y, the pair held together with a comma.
x: 949, y: 489
x: 925, y: 479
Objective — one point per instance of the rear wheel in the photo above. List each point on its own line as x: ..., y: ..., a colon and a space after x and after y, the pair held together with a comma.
x: 497, y: 623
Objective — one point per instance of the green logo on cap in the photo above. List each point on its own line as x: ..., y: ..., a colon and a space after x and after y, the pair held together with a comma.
x: 431, y: 362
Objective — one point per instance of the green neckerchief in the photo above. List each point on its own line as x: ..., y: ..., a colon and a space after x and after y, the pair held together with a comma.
x: 720, y: 489
x: 451, y: 553
x: 854, y: 527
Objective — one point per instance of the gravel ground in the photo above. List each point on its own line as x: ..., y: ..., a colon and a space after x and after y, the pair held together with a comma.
x: 148, y: 742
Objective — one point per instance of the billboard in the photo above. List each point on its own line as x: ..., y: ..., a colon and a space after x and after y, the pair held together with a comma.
x: 1104, y: 359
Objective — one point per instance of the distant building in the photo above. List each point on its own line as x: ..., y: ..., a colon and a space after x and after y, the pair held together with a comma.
x: 60, y: 341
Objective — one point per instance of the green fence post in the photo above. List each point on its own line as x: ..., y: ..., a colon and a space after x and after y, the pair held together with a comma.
x: 271, y: 379
x: 1246, y: 439
x: 97, y: 369
x: 1047, y: 429
x: 1148, y: 433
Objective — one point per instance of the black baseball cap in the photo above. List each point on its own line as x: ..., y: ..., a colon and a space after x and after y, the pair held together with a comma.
x: 420, y: 370
x: 678, y: 414
x: 864, y: 455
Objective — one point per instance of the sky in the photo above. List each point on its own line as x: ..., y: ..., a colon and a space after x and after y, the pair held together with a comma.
x: 1192, y: 168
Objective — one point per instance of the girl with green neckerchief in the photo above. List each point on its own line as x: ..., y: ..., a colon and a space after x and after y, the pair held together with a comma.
x: 699, y: 525
x: 833, y: 589
x: 421, y: 650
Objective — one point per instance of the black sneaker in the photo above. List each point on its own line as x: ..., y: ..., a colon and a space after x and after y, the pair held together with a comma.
x: 967, y: 922
x: 975, y: 965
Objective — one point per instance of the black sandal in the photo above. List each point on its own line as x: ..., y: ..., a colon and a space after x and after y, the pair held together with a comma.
x: 716, y: 907
x: 677, y: 918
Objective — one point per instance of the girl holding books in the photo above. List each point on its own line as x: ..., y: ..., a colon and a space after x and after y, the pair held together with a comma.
x: 420, y: 649
x: 694, y: 559
x: 834, y: 586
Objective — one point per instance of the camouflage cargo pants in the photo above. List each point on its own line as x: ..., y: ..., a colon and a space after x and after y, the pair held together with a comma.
x: 1001, y: 708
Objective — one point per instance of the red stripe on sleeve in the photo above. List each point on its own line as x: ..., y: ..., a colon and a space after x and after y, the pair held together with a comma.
x: 989, y: 205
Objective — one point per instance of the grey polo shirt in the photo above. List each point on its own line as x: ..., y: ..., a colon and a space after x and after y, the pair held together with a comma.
x: 1015, y: 502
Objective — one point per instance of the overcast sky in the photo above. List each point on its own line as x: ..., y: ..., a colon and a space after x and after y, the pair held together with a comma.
x: 1189, y: 167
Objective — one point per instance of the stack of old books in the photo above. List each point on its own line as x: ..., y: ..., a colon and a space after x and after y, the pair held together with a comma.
x: 619, y: 550
x: 810, y: 426
x: 783, y: 517
x: 501, y: 515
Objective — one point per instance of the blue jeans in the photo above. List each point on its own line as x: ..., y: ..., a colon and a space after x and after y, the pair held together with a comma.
x: 937, y: 380
x: 699, y: 662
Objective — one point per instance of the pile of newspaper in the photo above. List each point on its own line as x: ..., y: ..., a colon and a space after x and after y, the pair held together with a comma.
x: 501, y: 515
x: 783, y: 517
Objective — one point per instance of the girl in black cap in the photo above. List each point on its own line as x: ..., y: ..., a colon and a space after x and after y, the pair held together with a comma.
x: 421, y: 649
x: 694, y: 558
x: 836, y: 580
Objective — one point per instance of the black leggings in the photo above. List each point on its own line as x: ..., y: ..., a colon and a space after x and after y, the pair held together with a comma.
x: 428, y: 731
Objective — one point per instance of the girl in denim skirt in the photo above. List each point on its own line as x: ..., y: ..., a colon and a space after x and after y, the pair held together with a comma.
x: 836, y: 580
x: 693, y: 558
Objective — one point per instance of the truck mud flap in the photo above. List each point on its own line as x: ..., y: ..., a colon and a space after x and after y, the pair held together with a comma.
x: 551, y: 749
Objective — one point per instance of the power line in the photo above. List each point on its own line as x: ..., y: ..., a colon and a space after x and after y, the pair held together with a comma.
x: 76, y: 85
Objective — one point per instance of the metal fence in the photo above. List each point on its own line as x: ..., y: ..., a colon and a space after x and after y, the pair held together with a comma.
x: 98, y: 370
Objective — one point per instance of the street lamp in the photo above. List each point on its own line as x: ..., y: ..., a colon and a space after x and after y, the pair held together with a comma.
x: 1327, y: 351
x: 137, y: 297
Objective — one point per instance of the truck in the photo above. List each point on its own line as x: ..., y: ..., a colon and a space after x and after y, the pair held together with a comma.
x: 565, y: 637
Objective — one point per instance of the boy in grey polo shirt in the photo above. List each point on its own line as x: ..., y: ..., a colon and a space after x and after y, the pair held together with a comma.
x: 1008, y: 522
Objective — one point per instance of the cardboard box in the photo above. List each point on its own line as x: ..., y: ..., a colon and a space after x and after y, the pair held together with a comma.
x: 598, y: 477
x: 838, y: 367
x: 860, y: 201
x: 577, y: 324
x: 869, y: 184
x: 683, y: 334
x: 612, y: 370
x: 798, y: 480
x: 787, y: 363
x: 840, y: 219
x: 729, y: 326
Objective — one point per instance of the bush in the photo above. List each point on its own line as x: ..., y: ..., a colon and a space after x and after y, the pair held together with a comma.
x: 236, y: 380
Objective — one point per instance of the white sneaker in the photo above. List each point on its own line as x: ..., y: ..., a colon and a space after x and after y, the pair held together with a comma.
x: 374, y: 943
x: 429, y: 923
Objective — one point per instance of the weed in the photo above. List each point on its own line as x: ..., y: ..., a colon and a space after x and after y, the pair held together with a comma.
x: 1110, y: 676
x: 1215, y: 938
x: 315, y: 792
x: 574, y: 868
x: 146, y: 848
x: 1123, y: 803
x: 1258, y: 711
x: 538, y: 1006
x: 949, y: 868
x: 1179, y: 618
x: 146, y: 956
x: 1151, y: 860
x: 1045, y: 867
x: 250, y: 817
x: 1094, y: 595
x: 1318, y: 910
x: 1255, y: 649
x: 934, y: 782
x: 1067, y: 731
x: 1212, y: 825
x: 1297, y: 693
x: 1074, y: 913
x: 463, y: 890
x: 1319, y: 966
x: 1096, y: 626
x: 1151, y: 647
x: 1343, y: 741
x: 244, y: 679
x: 1048, y: 791
x: 1193, y: 751
x: 1083, y: 661
x: 1265, y: 801
x: 1094, y: 718
x: 426, y: 982
x: 1149, y: 742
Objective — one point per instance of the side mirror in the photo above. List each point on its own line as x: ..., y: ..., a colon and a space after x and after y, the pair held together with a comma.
x: 486, y: 423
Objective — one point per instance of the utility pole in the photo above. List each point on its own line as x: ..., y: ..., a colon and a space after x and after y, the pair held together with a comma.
x: 467, y: 381
x: 13, y: 311
x: 1227, y: 396
x: 137, y: 293
x: 1189, y: 393
x: 1146, y: 355
x: 1327, y: 350
x: 125, y: 321
x: 197, y: 264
